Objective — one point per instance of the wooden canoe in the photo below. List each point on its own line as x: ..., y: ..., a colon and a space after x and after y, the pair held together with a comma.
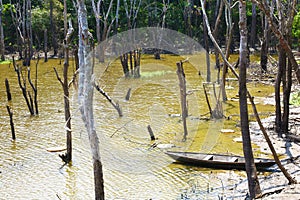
x: 218, y: 161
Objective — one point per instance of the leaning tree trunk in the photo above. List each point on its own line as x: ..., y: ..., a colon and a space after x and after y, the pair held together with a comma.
x: 253, y: 182
x: 85, y: 96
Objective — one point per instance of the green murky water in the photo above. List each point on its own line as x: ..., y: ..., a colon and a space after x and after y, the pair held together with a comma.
x: 132, y: 168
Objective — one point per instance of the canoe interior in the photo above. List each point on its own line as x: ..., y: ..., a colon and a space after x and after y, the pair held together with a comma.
x: 218, y: 160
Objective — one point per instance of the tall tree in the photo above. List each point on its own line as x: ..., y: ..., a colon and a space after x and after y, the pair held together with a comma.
x: 85, y: 96
x: 253, y: 183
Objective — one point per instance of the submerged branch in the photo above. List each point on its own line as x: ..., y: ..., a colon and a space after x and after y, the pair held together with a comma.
x: 114, y: 104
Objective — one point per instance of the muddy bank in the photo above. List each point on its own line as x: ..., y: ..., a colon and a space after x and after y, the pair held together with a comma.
x: 274, y: 185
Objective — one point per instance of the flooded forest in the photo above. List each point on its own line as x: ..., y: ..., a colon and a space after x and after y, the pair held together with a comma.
x: 149, y: 99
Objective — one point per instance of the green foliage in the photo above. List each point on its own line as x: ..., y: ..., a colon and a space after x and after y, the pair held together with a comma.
x: 295, y: 99
x: 296, y: 26
x: 40, y: 19
x: 150, y: 14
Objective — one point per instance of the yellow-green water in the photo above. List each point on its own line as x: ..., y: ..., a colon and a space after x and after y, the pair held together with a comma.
x: 132, y: 168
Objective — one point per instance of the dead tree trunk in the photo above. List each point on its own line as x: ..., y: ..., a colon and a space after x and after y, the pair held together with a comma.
x: 127, y: 97
x: 207, y: 101
x: 65, y: 85
x: 152, y: 137
x: 131, y: 63
x: 278, y: 113
x: 182, y: 86
x: 137, y: 63
x: 34, y: 87
x: 7, y: 90
x: 253, y: 183
x: 85, y: 96
x: 10, y: 113
x: 286, y: 99
x: 23, y: 87
x: 124, y: 62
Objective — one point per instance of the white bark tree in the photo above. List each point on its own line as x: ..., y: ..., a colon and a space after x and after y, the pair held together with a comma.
x: 85, y: 96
